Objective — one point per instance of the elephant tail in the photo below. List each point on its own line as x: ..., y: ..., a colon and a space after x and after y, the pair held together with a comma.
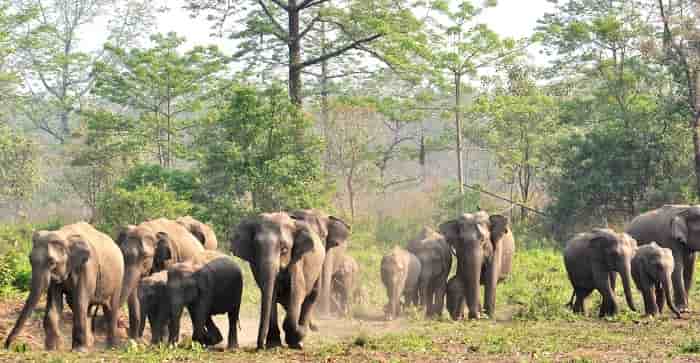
x: 570, y: 304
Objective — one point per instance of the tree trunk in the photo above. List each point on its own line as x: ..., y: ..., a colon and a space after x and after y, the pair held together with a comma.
x: 294, y: 54
x: 458, y: 126
x: 696, y: 150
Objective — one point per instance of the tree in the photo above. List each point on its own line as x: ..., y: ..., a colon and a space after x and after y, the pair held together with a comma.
x: 252, y: 160
x: 19, y: 157
x: 274, y: 27
x: 57, y: 73
x: 162, y: 87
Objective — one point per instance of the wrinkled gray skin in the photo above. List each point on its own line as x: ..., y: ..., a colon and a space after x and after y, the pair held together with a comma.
x: 400, y: 271
x: 652, y: 267
x: 286, y: 257
x: 591, y: 261
x: 676, y: 227
x: 435, y: 258
x: 203, y: 232
x: 484, y: 247
x: 85, y: 265
x: 455, y: 300
x: 207, y: 289
x: 343, y: 285
x: 157, y: 243
x: 334, y: 233
x: 151, y: 292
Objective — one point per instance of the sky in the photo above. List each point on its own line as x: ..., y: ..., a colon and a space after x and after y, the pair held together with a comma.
x: 512, y: 18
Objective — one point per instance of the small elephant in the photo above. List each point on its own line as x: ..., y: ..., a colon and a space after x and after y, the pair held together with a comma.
x: 86, y: 266
x: 484, y: 246
x: 203, y: 232
x: 344, y: 280
x: 591, y: 261
x: 286, y: 257
x: 676, y: 227
x: 652, y: 267
x: 334, y: 233
x: 214, y: 287
x: 151, y: 292
x: 435, y: 258
x: 159, y: 242
x: 400, y: 271
x: 455, y: 300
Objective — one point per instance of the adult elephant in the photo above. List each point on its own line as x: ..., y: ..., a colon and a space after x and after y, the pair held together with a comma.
x: 334, y: 232
x: 159, y: 242
x: 85, y: 265
x: 286, y: 257
x: 592, y: 259
x: 484, y: 247
x: 676, y: 227
x: 435, y: 258
x: 203, y: 232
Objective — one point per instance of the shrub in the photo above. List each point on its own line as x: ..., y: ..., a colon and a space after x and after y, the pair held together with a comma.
x: 15, y: 270
x: 119, y: 206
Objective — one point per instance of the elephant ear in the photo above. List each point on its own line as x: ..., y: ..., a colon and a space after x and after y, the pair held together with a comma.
x: 451, y: 230
x: 123, y: 234
x: 197, y: 232
x: 338, y: 231
x: 304, y: 238
x: 78, y: 253
x: 679, y: 229
x: 163, y: 251
x: 242, y: 243
x: 498, y: 227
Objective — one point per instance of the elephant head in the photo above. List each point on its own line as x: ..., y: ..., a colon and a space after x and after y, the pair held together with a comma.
x: 270, y: 242
x: 163, y: 255
x: 612, y: 251
x: 138, y: 245
x: 55, y: 258
x: 475, y: 239
x: 685, y: 227
x: 151, y: 292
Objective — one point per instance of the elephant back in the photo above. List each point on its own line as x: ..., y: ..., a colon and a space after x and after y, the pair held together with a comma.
x: 431, y: 248
x: 202, y: 231
x: 654, y: 225
x: 185, y: 245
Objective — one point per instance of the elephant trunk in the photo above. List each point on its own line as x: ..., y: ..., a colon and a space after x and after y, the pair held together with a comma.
x: 41, y: 277
x: 627, y: 285
x: 470, y: 268
x: 332, y: 258
x: 129, y: 291
x: 666, y: 286
x: 267, y: 274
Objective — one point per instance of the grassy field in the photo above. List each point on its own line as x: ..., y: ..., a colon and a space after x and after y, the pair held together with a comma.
x: 531, y: 324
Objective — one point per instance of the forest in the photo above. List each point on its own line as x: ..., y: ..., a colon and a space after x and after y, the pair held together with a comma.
x: 394, y: 116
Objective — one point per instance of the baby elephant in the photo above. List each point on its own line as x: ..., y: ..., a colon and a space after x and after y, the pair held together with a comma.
x: 652, y: 267
x: 206, y: 289
x: 456, y: 298
x: 400, y: 271
x: 343, y: 284
x: 151, y: 291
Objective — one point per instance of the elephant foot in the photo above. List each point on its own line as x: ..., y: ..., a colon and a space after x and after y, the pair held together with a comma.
x: 274, y: 343
x: 81, y: 349
x: 232, y: 347
x: 313, y: 327
x: 296, y: 345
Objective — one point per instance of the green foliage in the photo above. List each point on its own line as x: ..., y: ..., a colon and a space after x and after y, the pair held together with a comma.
x: 120, y: 207
x: 184, y: 183
x: 15, y: 270
x: 259, y: 154
x: 19, y: 157
x: 450, y: 204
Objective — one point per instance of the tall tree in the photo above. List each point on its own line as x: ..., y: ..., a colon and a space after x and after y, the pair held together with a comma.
x: 277, y: 26
x: 164, y: 87
x: 57, y: 71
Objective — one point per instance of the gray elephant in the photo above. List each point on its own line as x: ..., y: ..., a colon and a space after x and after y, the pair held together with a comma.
x: 203, y: 232
x: 455, y: 299
x: 334, y: 232
x: 85, y: 265
x: 676, y: 227
x: 484, y: 247
x: 435, y: 258
x: 160, y: 241
x: 592, y: 259
x: 652, y: 267
x: 286, y: 257
x: 151, y: 292
x: 206, y: 289
x: 344, y: 280
x: 400, y: 271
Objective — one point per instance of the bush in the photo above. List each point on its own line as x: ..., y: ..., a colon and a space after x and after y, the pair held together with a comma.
x: 15, y: 270
x: 183, y: 183
x: 119, y: 206
x: 451, y: 204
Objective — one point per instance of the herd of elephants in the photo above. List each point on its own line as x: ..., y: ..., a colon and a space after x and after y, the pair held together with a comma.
x: 299, y: 260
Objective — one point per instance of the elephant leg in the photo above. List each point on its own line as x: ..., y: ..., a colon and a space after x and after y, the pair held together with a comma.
x: 609, y: 306
x: 306, y: 308
x: 613, y: 280
x: 212, y: 333
x: 233, y: 316
x: 134, y: 314
x: 660, y: 297
x: 54, y: 308
x: 82, y: 332
x: 113, y: 315
x: 677, y: 277
x: 274, y: 339
x: 688, y: 271
x: 579, y: 303
x: 294, y: 329
x: 649, y: 300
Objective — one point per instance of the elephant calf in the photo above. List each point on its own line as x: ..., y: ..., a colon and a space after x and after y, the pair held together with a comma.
x: 151, y: 292
x: 343, y: 284
x: 652, y: 267
x: 592, y: 260
x: 456, y: 298
x: 400, y: 271
x: 207, y: 289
